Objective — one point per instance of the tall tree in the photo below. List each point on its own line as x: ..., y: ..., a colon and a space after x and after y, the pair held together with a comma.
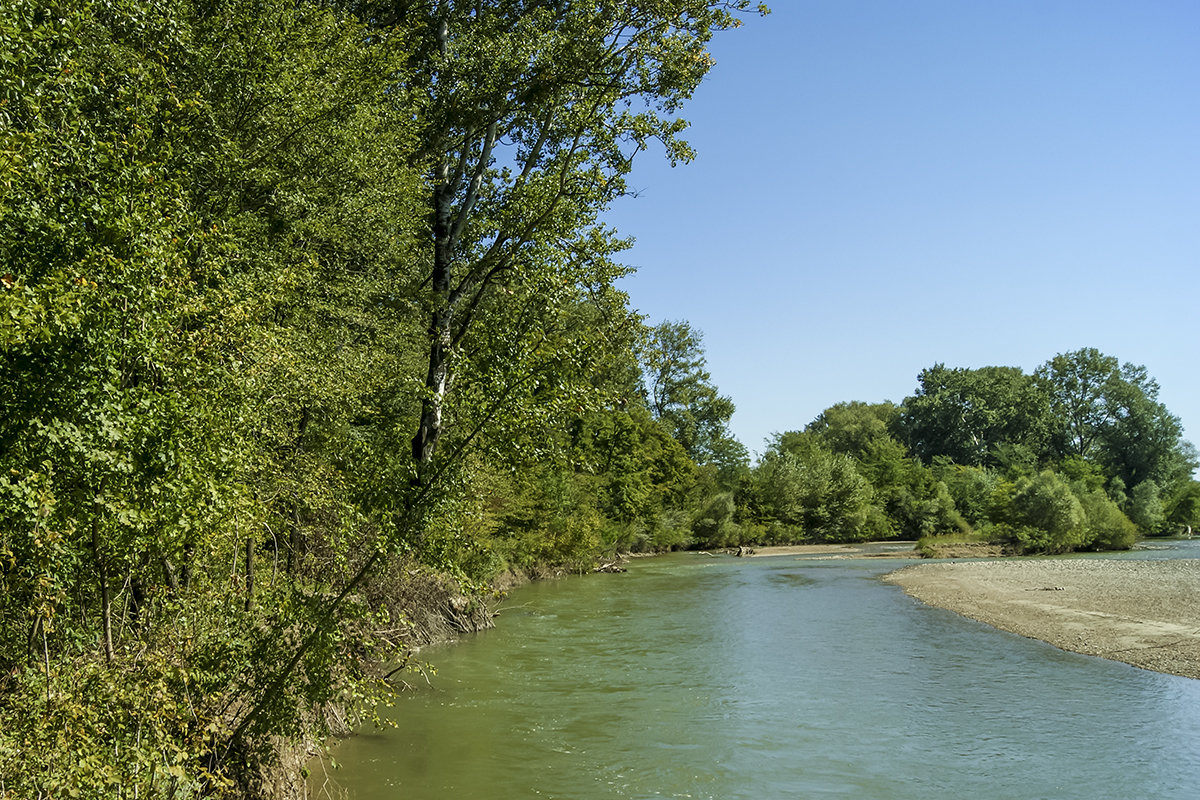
x: 533, y: 113
x: 855, y: 428
x: 1079, y: 385
x: 968, y: 414
x: 1109, y: 413
x: 683, y: 398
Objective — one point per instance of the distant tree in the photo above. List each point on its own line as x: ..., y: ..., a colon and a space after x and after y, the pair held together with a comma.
x: 970, y: 487
x: 1144, y: 441
x: 1106, y: 527
x: 854, y: 428
x: 1087, y: 475
x: 682, y: 397
x: 1046, y: 515
x: 1078, y: 385
x: 714, y: 523
x: 1183, y: 509
x: 908, y: 499
x: 805, y: 486
x: 1109, y: 413
x: 1146, y: 508
x: 970, y: 415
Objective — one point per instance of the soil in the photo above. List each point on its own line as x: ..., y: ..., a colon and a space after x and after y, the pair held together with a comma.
x: 1144, y: 613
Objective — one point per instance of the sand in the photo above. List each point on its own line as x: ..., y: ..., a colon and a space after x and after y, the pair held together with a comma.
x: 1144, y: 613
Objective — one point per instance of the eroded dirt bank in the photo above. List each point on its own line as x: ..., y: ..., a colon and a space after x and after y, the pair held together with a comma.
x: 1145, y: 613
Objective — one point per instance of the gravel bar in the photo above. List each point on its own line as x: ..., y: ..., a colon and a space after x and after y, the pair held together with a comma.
x: 1144, y: 613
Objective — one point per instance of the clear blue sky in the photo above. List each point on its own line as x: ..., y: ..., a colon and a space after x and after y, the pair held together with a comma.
x: 885, y: 185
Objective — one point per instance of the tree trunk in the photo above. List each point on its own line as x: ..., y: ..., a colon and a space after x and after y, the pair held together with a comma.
x: 295, y: 538
x: 188, y: 550
x: 105, y: 597
x: 249, y: 572
x: 430, y: 429
x: 169, y: 575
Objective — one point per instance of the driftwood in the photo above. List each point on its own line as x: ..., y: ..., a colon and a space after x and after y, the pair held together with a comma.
x: 610, y: 566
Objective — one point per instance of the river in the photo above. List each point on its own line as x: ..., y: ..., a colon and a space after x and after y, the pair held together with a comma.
x: 785, y: 677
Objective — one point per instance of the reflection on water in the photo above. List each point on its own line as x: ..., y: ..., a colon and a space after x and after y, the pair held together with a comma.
x: 771, y: 678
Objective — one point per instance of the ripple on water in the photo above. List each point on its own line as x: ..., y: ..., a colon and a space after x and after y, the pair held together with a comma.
x: 747, y: 679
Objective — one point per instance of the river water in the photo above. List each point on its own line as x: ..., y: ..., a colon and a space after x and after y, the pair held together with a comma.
x: 783, y: 677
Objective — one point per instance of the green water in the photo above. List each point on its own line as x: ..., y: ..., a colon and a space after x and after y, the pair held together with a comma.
x: 697, y: 677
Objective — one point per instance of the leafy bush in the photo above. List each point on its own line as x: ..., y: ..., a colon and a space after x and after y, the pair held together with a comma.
x: 1146, y: 508
x: 1045, y: 515
x: 1107, y: 527
x: 816, y: 490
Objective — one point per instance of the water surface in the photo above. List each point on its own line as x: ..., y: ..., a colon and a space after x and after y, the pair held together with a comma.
x: 698, y: 677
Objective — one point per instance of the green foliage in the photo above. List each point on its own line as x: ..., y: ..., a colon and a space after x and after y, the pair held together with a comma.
x: 1183, y: 507
x: 971, y: 488
x: 1097, y: 421
x: 1107, y: 527
x: 855, y: 428
x: 304, y: 307
x: 1045, y: 515
x: 1146, y: 508
x: 683, y: 399
x: 248, y: 250
x: 813, y: 492
x: 975, y: 417
x: 715, y: 524
x: 907, y: 499
x: 1108, y: 413
x: 1083, y: 473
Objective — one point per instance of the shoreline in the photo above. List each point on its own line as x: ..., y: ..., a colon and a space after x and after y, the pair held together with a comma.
x: 1142, y: 613
x: 888, y: 549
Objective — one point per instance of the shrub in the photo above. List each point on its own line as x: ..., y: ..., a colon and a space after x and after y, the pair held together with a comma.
x: 1046, y: 517
x: 1107, y: 527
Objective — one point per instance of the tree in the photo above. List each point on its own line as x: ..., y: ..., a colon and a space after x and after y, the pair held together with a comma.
x: 1183, y: 508
x: 970, y: 487
x: 1146, y: 508
x: 813, y: 492
x: 1144, y: 441
x: 1109, y: 413
x: 906, y: 494
x: 854, y: 428
x: 974, y: 416
x: 533, y: 112
x: 682, y: 397
x: 1106, y: 527
x: 1078, y: 385
x: 1047, y: 516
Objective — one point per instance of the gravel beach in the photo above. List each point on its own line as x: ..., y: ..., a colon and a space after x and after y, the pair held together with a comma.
x: 1145, y: 613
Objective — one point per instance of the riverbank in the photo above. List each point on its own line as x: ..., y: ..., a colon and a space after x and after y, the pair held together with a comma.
x: 1143, y: 613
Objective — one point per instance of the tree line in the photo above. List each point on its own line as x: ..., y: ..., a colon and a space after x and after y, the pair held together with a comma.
x: 1080, y: 454
x: 310, y: 328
